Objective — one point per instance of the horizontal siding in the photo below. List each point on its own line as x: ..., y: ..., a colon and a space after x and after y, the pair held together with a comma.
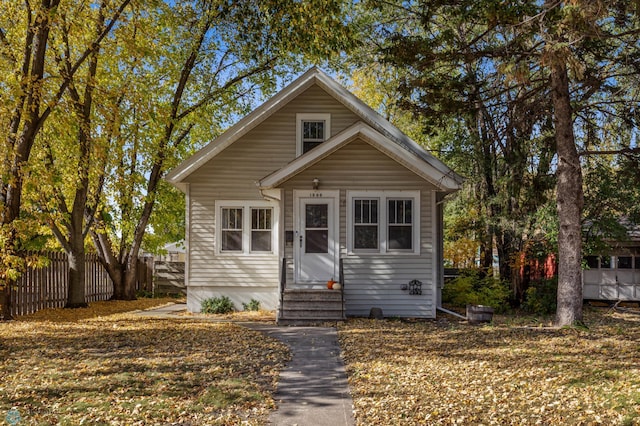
x: 242, y: 271
x: 233, y: 175
x: 358, y: 166
x: 209, y: 269
x: 374, y: 280
x: 266, y: 148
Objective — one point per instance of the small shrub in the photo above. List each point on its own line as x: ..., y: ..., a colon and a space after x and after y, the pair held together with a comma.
x: 472, y: 290
x: 144, y: 294
x: 217, y: 305
x: 253, y: 305
x: 541, y: 297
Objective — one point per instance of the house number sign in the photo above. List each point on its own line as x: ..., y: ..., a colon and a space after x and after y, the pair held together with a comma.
x: 316, y: 195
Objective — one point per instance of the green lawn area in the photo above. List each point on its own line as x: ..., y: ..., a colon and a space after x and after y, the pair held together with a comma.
x: 97, y: 366
x: 445, y: 373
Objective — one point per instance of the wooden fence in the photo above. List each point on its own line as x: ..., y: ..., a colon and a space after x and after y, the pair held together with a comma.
x: 46, y: 287
x: 168, y: 277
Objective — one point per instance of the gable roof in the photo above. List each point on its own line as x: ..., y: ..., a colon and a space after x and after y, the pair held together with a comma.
x: 315, y: 76
x: 363, y: 131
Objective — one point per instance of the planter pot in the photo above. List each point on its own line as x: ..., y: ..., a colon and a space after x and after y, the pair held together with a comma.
x: 478, y: 314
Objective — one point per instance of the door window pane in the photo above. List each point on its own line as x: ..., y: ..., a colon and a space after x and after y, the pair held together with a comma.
x: 316, y: 228
x: 316, y: 216
x: 317, y: 241
x: 605, y: 262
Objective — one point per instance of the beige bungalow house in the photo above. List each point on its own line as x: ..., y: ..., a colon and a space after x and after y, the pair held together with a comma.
x: 310, y: 187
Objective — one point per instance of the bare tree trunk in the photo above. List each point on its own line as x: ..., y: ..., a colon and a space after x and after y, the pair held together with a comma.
x: 569, y: 202
x: 76, y: 292
x: 123, y: 272
x: 131, y: 279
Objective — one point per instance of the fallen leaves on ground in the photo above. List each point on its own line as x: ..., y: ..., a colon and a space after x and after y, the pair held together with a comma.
x: 239, y: 316
x: 447, y: 373
x: 96, y: 309
x: 123, y: 369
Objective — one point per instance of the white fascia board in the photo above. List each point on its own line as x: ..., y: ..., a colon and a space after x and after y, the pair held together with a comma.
x: 242, y: 127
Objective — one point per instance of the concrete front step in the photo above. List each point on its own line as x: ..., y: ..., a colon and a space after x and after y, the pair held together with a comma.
x: 319, y: 322
x: 313, y: 305
x: 306, y: 313
x: 310, y: 306
x: 312, y: 295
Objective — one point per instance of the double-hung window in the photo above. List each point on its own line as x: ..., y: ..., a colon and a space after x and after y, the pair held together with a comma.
x: 383, y: 221
x: 231, y: 229
x: 366, y: 228
x: 261, y: 229
x: 400, y: 224
x: 245, y: 227
x: 311, y: 131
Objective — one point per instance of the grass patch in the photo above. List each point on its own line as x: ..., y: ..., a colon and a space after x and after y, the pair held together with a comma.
x: 109, y: 367
x: 228, y: 393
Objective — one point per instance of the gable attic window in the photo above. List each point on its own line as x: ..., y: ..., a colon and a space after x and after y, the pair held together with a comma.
x: 311, y: 131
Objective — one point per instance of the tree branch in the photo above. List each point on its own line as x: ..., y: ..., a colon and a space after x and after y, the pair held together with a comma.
x: 622, y: 151
x: 94, y: 45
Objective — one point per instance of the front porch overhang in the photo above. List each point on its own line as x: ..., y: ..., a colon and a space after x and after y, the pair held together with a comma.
x: 362, y: 131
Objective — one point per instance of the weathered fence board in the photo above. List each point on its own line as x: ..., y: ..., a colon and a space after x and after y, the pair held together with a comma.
x: 145, y: 273
x: 169, y: 278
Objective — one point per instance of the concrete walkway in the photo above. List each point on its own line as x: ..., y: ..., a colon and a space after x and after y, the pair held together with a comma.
x: 313, y: 388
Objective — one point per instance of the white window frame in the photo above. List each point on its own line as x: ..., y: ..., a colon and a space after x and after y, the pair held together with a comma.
x: 383, y: 226
x: 241, y: 229
x: 352, y: 224
x: 253, y: 230
x: 301, y: 117
x: 246, y: 207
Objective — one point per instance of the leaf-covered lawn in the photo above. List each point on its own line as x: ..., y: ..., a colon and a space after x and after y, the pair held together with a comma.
x: 452, y: 373
x: 121, y: 369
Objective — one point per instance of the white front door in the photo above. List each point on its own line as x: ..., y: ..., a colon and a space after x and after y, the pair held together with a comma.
x: 316, y: 238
